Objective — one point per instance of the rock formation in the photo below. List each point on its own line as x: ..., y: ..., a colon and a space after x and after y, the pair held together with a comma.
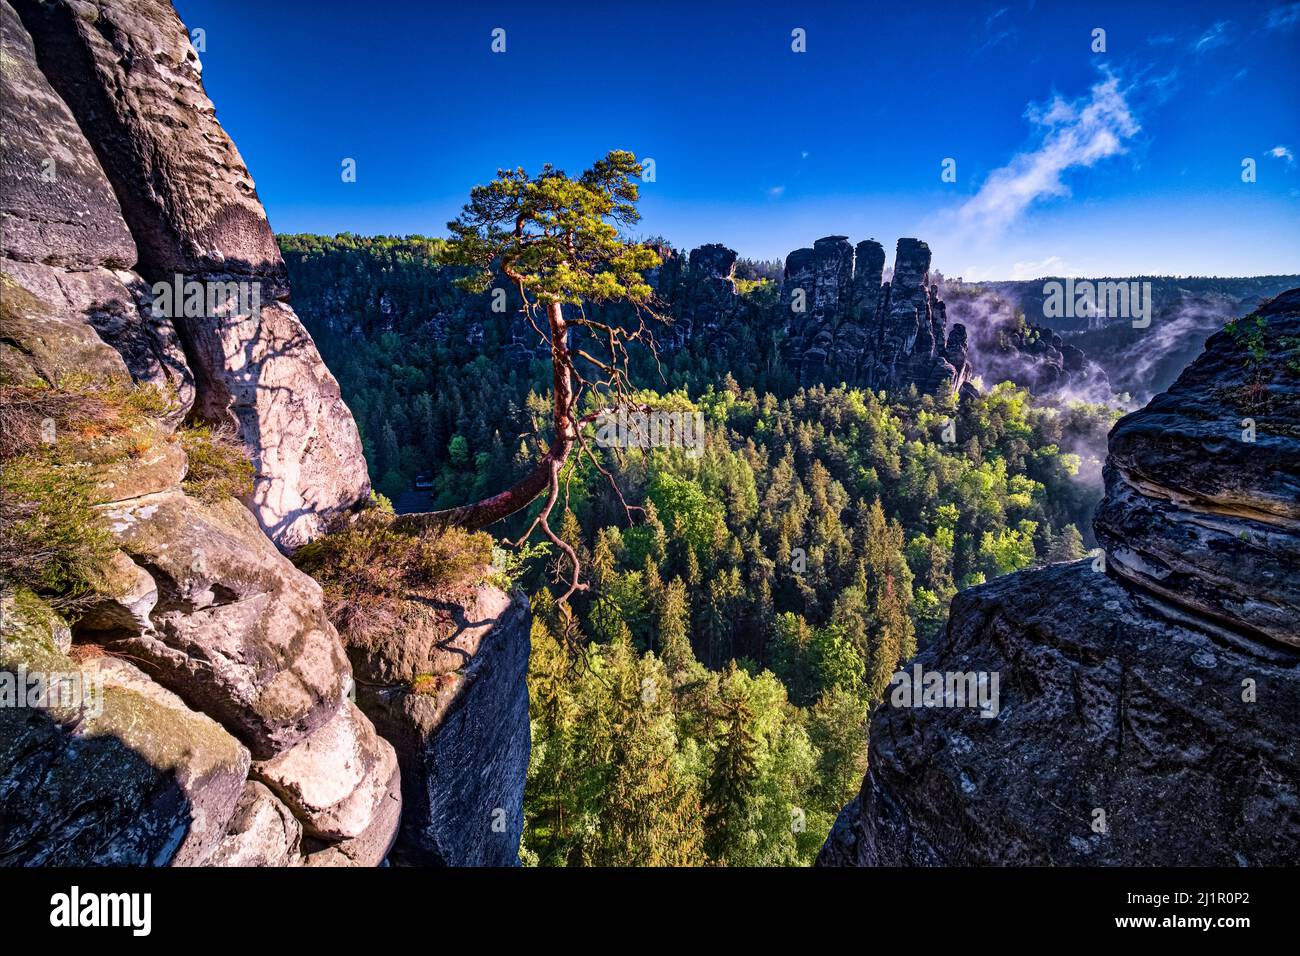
x: 220, y: 728
x: 1147, y: 698
x: 131, y: 79
x: 697, y: 293
x: 1202, y: 499
x: 447, y: 687
x: 843, y: 325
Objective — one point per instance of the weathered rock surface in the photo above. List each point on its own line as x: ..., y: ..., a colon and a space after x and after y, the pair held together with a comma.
x: 1109, y: 700
x: 449, y: 692
x: 371, y: 846
x: 237, y: 630
x: 56, y: 206
x: 217, y: 619
x: 334, y: 779
x: 124, y: 774
x: 1145, y: 714
x: 64, y: 248
x: 262, y: 832
x: 132, y: 80
x: 844, y: 326
x: 1196, y: 512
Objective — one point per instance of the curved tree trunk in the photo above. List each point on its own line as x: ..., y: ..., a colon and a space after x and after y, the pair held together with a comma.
x: 480, y: 514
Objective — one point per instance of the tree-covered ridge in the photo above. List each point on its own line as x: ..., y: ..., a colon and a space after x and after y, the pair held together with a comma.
x: 737, y: 633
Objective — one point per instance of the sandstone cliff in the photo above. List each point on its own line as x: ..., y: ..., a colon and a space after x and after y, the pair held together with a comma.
x: 221, y: 727
x: 843, y: 325
x: 1147, y: 700
x: 131, y: 79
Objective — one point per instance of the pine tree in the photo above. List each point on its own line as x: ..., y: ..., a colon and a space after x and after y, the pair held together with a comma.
x: 673, y: 625
x: 651, y: 810
x: 731, y: 782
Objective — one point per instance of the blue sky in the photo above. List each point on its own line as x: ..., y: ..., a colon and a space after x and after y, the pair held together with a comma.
x: 1067, y: 161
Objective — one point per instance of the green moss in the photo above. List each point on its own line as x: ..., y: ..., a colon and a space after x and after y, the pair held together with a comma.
x: 28, y: 626
x: 218, y: 464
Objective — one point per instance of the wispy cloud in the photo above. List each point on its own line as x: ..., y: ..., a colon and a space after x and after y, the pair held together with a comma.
x: 1283, y: 17
x: 1051, y: 266
x: 776, y: 191
x: 1216, y: 36
x: 1071, y: 134
x: 996, y: 29
x: 1283, y: 153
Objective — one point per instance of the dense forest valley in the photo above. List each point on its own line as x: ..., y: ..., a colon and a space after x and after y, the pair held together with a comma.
x: 737, y: 634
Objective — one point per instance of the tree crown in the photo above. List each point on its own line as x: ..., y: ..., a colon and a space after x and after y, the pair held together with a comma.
x: 556, y: 237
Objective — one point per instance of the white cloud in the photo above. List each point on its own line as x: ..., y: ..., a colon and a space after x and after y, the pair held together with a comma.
x: 1282, y: 152
x: 776, y: 191
x: 1074, y: 134
x: 1042, y: 268
x: 1217, y: 35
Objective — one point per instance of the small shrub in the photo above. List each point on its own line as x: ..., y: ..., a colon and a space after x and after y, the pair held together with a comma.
x: 218, y: 464
x: 52, y: 538
x: 367, y: 568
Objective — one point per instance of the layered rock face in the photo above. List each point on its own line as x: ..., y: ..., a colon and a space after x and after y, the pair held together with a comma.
x: 1202, y: 499
x: 845, y: 326
x: 1146, y: 701
x: 131, y: 79
x: 209, y: 656
x: 447, y: 687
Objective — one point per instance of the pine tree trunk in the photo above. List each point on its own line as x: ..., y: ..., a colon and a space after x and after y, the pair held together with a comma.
x: 482, y: 513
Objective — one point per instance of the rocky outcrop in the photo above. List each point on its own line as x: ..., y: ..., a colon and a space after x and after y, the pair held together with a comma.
x: 165, y: 779
x: 234, y: 628
x: 1146, y: 696
x: 697, y: 293
x: 204, y: 649
x: 335, y: 778
x: 131, y: 79
x: 229, y: 739
x: 843, y: 325
x: 67, y: 297
x: 1202, y: 499
x: 446, y: 685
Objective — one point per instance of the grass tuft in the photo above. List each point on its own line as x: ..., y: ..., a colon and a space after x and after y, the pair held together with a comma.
x: 218, y: 464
